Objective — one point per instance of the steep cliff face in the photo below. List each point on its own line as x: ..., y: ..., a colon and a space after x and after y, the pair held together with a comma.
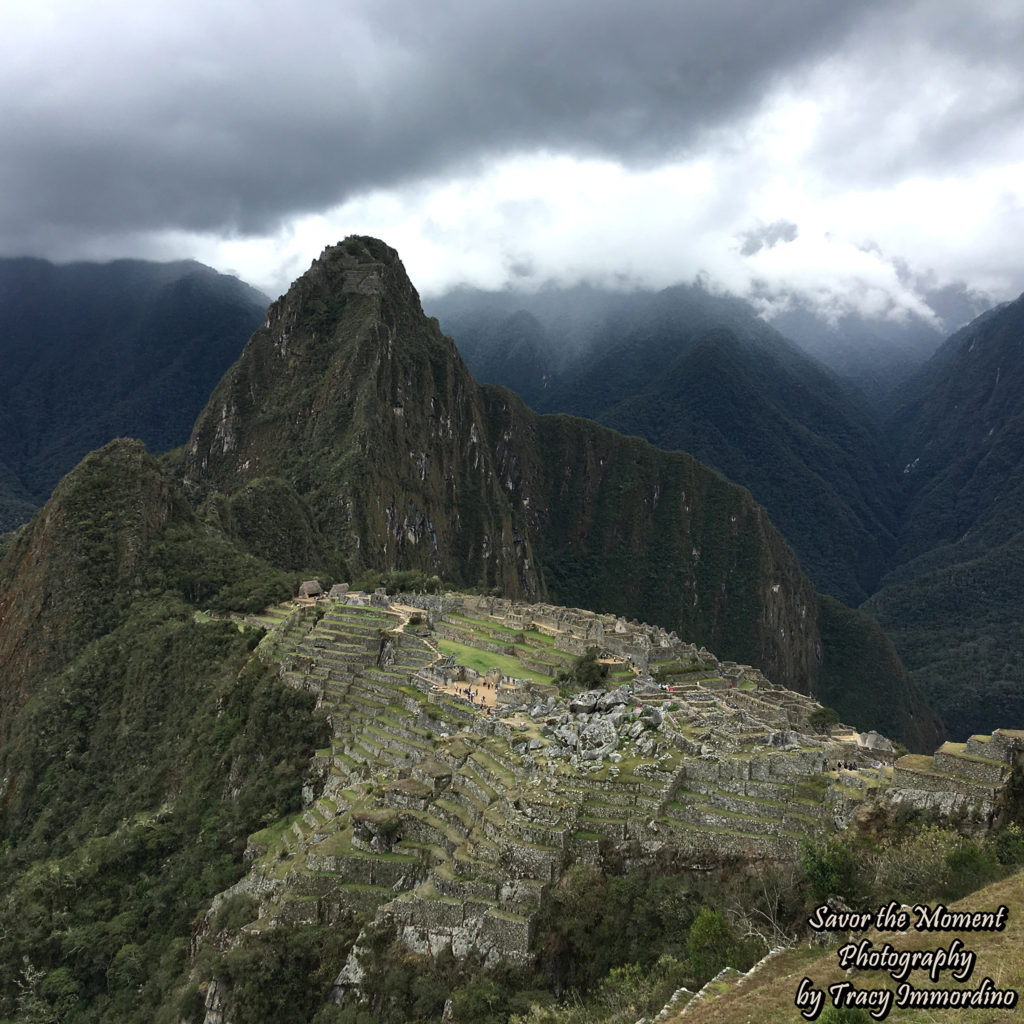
x: 364, y: 413
x: 357, y: 402
x: 620, y: 526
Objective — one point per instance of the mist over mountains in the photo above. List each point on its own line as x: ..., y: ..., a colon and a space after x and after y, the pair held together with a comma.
x: 91, y: 351
x: 875, y: 355
x: 148, y: 745
x: 350, y: 436
x: 690, y: 370
x: 97, y: 351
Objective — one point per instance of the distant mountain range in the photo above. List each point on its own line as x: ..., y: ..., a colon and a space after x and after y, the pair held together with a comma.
x: 349, y: 436
x: 147, y: 746
x: 89, y: 352
x: 953, y: 599
x: 698, y: 372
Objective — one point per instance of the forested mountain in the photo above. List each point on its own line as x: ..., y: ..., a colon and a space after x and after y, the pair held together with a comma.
x: 701, y: 373
x: 952, y: 601
x: 89, y: 352
x: 142, y: 742
x: 351, y: 434
x: 876, y: 355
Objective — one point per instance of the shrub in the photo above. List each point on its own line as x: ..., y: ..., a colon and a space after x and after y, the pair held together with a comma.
x: 970, y: 867
x: 844, y: 1015
x: 235, y: 912
x: 831, y: 869
x: 822, y: 719
x: 585, y: 674
x: 1008, y: 844
x: 711, y: 944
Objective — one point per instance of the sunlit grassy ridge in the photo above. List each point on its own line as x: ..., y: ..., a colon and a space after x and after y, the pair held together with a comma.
x: 768, y: 995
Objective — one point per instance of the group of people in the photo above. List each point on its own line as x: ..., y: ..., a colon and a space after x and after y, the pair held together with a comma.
x: 470, y: 693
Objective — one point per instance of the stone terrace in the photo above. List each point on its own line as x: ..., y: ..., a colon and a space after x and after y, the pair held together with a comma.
x: 453, y: 823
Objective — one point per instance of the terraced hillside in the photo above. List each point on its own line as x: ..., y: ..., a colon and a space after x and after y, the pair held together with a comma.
x: 452, y: 797
x: 459, y: 819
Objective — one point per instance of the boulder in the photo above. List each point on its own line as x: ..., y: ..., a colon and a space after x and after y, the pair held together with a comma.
x: 584, y: 703
x: 612, y: 699
x: 644, y: 684
x: 651, y: 717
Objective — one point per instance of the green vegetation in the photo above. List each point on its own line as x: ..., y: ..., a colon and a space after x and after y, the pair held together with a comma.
x: 150, y: 742
x: 98, y: 351
x: 144, y: 742
x: 957, y: 629
x: 861, y: 669
x: 481, y: 661
x: 822, y: 719
x: 284, y: 977
x: 122, y: 823
x: 586, y: 674
x: 400, y: 581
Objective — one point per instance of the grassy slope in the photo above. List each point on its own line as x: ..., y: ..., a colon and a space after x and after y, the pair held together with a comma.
x: 767, y: 997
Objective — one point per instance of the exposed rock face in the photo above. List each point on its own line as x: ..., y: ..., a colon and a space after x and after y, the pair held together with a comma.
x: 351, y: 396
x: 364, y: 413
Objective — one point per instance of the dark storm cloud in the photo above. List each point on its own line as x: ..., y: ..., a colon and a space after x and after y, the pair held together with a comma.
x: 232, y: 117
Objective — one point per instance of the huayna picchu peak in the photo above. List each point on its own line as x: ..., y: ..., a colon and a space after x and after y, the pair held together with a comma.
x: 348, y: 408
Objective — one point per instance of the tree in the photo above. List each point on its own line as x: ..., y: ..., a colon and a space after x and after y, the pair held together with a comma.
x: 711, y: 944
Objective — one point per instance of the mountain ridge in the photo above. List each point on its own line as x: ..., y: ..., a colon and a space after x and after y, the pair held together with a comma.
x: 689, y: 370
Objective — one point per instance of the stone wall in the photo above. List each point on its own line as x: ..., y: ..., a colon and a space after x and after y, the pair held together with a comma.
x: 990, y: 773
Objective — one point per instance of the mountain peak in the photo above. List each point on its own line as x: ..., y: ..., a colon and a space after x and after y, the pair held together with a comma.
x: 364, y: 415
x: 359, y: 265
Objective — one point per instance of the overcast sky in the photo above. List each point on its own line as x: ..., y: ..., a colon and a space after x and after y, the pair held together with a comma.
x: 854, y: 153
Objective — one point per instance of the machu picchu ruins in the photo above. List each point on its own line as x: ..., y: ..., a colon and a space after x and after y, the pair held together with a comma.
x: 461, y: 781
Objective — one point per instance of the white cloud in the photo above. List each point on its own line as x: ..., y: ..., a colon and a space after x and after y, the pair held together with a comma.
x: 528, y: 143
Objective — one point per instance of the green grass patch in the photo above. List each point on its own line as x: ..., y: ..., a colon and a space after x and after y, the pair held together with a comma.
x: 481, y: 661
x: 272, y: 833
